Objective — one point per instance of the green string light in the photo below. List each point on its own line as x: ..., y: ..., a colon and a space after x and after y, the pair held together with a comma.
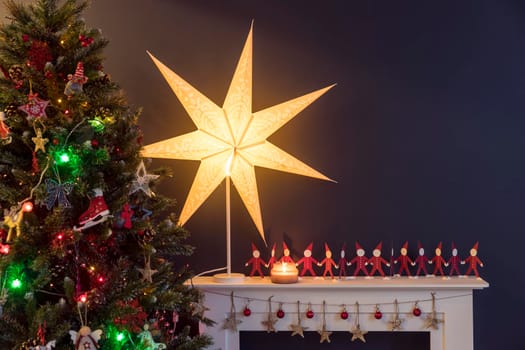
x: 16, y: 283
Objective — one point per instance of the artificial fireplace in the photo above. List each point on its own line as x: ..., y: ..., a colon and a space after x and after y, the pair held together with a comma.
x: 444, y: 314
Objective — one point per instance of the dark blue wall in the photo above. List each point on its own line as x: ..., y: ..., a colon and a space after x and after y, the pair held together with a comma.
x: 424, y: 131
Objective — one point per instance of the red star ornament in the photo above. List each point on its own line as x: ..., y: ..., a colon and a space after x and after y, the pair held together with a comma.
x: 35, y: 107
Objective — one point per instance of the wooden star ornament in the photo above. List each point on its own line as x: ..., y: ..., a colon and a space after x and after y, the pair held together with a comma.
x: 147, y: 272
x: 357, y: 332
x: 325, y: 335
x: 39, y: 141
x: 271, y: 320
x: 432, y: 321
x: 395, y: 322
x: 297, y: 328
x: 231, y: 321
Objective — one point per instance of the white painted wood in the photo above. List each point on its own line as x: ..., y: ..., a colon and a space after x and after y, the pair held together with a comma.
x: 453, y: 304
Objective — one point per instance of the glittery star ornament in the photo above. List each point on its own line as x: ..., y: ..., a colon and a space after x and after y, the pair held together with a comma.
x: 325, y: 335
x: 231, y: 321
x: 297, y: 328
x: 142, y: 181
x: 357, y: 332
x: 39, y: 141
x: 231, y: 141
x: 35, y: 107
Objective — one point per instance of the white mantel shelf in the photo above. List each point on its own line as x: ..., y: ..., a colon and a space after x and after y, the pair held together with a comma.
x: 436, y: 283
x: 453, y: 305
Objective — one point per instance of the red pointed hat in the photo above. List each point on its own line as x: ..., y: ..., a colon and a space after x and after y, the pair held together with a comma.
x: 310, y: 246
x: 254, y: 248
x: 475, y: 246
x: 419, y: 246
x: 453, y: 245
x: 379, y: 246
x: 326, y: 248
x: 440, y: 246
x: 79, y: 72
x: 358, y: 246
x: 405, y: 245
x: 343, y: 248
x: 285, y: 246
x: 273, y: 247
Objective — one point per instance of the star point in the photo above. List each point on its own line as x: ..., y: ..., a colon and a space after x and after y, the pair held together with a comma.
x: 231, y: 136
x: 297, y: 329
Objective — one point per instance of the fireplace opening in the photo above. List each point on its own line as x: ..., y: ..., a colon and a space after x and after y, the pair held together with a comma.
x: 257, y: 340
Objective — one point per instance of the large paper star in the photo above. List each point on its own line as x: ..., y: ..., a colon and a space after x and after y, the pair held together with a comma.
x: 231, y: 140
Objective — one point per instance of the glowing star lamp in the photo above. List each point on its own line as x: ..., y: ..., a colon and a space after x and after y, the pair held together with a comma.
x: 229, y: 142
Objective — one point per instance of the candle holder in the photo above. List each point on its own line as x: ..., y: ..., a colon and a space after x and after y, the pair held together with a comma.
x: 284, y: 273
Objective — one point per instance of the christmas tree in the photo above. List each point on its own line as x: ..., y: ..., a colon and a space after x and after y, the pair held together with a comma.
x: 88, y: 251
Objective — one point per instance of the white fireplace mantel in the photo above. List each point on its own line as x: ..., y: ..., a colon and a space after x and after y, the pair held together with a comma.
x: 453, y: 306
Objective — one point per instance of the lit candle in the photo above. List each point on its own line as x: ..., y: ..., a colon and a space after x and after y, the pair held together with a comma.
x: 284, y: 273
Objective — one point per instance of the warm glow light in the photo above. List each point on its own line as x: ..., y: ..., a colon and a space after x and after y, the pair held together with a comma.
x: 284, y: 273
x: 27, y: 207
x: 4, y: 249
x: 231, y: 141
x: 82, y: 298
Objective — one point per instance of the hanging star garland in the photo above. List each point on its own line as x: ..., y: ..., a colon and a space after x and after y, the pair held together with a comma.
x: 325, y: 335
x: 231, y: 141
x: 271, y: 320
x: 297, y: 328
x: 35, y: 107
x: 357, y: 332
x: 142, y: 181
x: 39, y: 141
x: 395, y: 322
x: 432, y: 321
x: 231, y: 321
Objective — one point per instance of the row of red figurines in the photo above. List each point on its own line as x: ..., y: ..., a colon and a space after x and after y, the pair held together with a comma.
x: 376, y: 261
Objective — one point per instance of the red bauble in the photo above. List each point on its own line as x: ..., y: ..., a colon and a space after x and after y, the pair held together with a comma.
x: 378, y: 315
x: 246, y: 312
x: 309, y: 314
x: 55, y: 141
x: 94, y: 143
x: 416, y: 311
x: 344, y: 315
x: 280, y: 313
